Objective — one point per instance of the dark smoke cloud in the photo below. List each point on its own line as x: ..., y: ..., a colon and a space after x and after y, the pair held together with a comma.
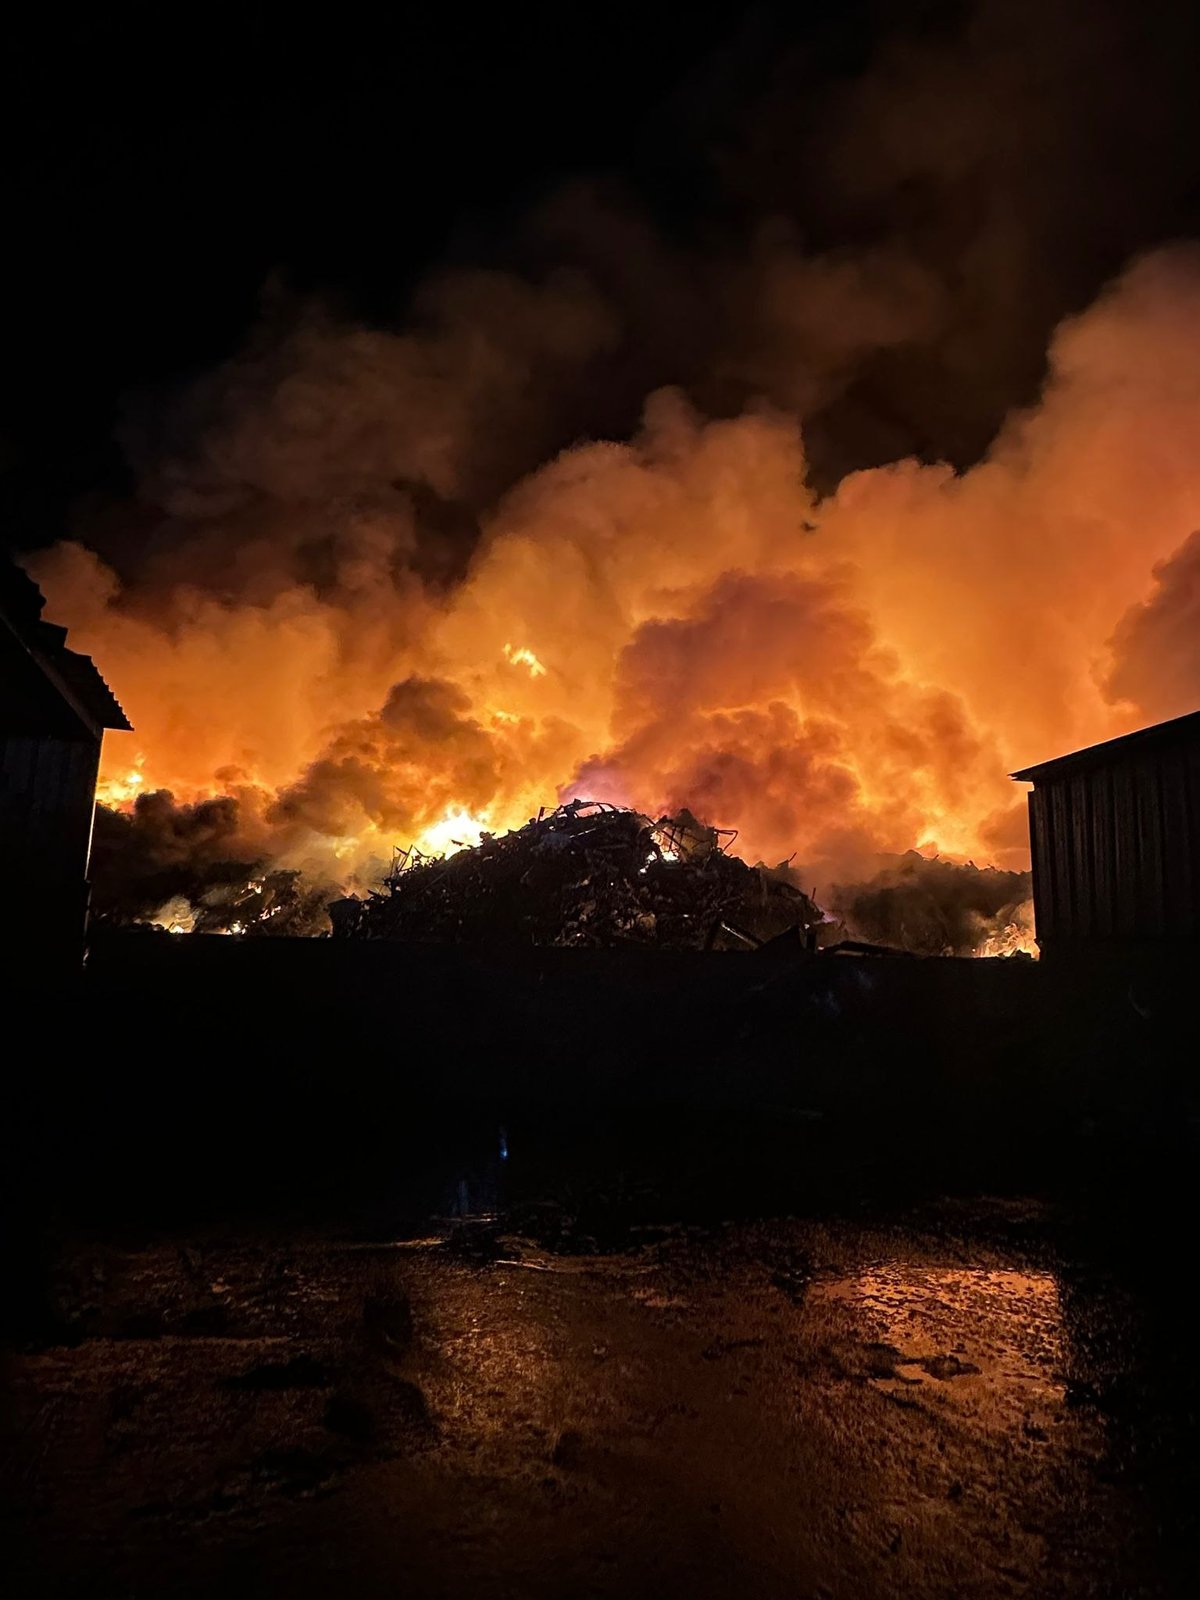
x: 346, y: 516
x: 268, y: 467
x: 159, y: 849
x: 193, y: 868
x: 887, y: 261
x: 1013, y: 157
x: 379, y: 770
x: 322, y: 407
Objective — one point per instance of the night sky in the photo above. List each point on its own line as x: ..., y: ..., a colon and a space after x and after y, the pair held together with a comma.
x: 163, y: 170
x: 167, y: 166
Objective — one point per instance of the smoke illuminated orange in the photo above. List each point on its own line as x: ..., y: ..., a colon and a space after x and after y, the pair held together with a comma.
x: 679, y: 620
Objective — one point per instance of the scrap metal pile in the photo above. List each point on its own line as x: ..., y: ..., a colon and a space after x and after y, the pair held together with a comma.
x: 588, y: 873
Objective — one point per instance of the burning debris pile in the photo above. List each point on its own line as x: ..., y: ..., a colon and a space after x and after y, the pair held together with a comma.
x: 588, y: 873
x: 279, y: 903
x: 176, y: 868
x: 939, y: 908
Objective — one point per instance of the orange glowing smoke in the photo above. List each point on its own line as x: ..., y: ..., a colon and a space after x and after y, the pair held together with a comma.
x: 675, y: 620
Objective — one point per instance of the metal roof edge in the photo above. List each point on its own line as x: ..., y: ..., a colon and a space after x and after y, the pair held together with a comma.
x: 1176, y: 728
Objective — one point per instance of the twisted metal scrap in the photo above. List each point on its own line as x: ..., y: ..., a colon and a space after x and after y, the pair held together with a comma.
x: 587, y: 873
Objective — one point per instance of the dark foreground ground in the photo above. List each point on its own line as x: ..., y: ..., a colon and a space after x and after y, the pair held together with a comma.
x: 452, y: 1276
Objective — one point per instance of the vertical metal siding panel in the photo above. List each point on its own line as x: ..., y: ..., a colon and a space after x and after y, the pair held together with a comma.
x: 1131, y: 835
x: 1103, y: 851
x: 1176, y: 866
x: 1061, y: 925
x: 1071, y: 884
x: 47, y: 785
x: 17, y: 764
x: 51, y: 774
x: 1076, y: 883
x: 1069, y: 826
x: 46, y: 798
x: 1126, y: 854
x: 1191, y: 800
x: 1151, y: 910
x: 1187, y: 826
x: 1060, y: 853
x: 1081, y: 855
x: 1116, y: 848
x: 84, y: 768
x: 1043, y: 882
x: 1164, y: 762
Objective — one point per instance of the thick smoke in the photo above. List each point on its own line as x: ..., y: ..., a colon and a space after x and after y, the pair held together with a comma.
x: 1002, y: 165
x: 773, y: 702
x: 323, y: 411
x: 1156, y: 647
x: 586, y: 528
x: 190, y: 869
x: 936, y: 908
x: 835, y: 677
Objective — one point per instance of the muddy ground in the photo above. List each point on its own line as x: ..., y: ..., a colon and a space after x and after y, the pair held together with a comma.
x: 402, y: 1272
x: 951, y: 1403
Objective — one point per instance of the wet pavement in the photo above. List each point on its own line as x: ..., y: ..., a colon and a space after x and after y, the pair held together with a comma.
x: 954, y: 1403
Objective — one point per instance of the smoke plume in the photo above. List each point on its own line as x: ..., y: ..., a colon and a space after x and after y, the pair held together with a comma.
x: 600, y: 522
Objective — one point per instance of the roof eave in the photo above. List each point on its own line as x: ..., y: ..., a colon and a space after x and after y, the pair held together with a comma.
x: 1176, y: 730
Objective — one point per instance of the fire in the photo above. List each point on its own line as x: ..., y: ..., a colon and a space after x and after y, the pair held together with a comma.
x: 841, y: 676
x: 1014, y: 941
x: 118, y: 789
x: 1015, y: 937
x: 455, y: 831
x: 523, y: 657
x: 177, y: 915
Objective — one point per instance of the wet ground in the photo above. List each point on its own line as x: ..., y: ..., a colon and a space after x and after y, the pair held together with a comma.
x: 965, y: 1400
x: 448, y: 1273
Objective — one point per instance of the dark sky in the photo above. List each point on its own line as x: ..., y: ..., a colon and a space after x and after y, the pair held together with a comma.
x: 163, y: 163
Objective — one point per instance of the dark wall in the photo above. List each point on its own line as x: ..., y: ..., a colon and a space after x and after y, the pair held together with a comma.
x: 220, y: 1075
x: 47, y: 788
x: 1116, y: 851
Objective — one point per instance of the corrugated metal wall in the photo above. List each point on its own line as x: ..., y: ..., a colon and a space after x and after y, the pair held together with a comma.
x: 46, y: 795
x: 1116, y: 850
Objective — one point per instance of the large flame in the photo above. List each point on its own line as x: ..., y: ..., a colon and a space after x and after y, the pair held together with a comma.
x: 674, y: 620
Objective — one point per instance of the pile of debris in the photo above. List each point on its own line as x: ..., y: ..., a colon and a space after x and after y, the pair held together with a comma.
x: 587, y: 873
x: 164, y: 867
x: 939, y: 908
x: 283, y: 904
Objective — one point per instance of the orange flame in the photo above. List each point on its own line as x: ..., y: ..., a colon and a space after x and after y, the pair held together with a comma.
x: 836, y: 677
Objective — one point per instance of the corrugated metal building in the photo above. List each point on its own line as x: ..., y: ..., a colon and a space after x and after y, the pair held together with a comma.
x: 1115, y: 837
x: 54, y: 708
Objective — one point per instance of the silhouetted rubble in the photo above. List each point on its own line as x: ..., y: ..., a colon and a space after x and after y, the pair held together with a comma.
x: 587, y: 873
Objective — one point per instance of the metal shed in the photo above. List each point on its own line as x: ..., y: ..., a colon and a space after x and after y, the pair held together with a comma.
x: 1114, y: 833
x: 54, y: 708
